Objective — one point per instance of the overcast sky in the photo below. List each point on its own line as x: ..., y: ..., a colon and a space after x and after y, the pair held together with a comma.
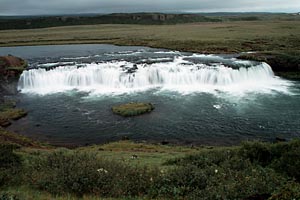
x: 46, y: 7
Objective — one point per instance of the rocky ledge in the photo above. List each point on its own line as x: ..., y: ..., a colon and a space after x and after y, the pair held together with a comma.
x: 132, y: 109
x: 11, y: 68
x: 286, y: 65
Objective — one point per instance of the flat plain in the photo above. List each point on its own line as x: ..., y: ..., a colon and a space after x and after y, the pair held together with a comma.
x: 204, y: 37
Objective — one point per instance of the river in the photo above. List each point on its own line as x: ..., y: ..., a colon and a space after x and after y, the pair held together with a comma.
x: 203, y: 99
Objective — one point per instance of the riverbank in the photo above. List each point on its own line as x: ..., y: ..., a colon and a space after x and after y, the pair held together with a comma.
x: 128, y: 170
x: 277, y: 37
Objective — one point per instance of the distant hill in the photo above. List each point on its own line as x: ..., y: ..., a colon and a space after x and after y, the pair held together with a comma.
x: 29, y: 22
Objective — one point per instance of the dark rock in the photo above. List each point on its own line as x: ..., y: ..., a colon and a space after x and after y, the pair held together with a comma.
x: 11, y: 68
x: 285, y: 65
x: 125, y: 138
x: 133, y: 69
x: 164, y: 142
x: 278, y: 139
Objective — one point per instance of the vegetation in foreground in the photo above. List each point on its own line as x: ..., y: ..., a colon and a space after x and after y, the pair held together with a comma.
x: 132, y: 109
x: 253, y: 170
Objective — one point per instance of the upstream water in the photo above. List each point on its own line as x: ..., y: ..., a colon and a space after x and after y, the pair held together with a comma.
x: 207, y: 99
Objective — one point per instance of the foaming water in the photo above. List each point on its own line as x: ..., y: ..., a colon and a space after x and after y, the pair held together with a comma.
x: 184, y: 76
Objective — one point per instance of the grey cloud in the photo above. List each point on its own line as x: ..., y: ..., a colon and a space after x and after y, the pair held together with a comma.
x: 35, y: 7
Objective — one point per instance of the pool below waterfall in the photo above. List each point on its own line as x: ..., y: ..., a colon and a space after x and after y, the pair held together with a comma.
x: 205, y: 99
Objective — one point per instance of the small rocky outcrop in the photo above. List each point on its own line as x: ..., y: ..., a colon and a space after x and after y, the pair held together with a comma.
x: 11, y: 68
x: 132, y: 109
x: 286, y: 65
x: 9, y: 112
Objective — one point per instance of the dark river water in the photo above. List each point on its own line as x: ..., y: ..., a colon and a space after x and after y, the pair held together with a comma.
x: 204, y: 99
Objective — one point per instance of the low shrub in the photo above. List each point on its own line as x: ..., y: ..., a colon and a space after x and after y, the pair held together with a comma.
x: 256, y: 152
x: 10, y: 164
x: 9, y: 196
x: 252, y: 171
x: 85, y: 173
x: 289, y: 191
x: 283, y: 157
x: 289, y: 163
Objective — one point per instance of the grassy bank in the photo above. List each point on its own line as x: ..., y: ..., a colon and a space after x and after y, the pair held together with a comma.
x: 128, y: 170
x: 218, y: 37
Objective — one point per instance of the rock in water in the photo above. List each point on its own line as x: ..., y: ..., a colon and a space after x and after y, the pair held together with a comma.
x: 132, y: 109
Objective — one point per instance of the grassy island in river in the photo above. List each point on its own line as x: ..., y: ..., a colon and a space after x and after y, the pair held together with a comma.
x: 132, y: 109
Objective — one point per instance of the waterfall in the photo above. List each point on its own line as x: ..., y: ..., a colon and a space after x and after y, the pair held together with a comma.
x: 124, y: 76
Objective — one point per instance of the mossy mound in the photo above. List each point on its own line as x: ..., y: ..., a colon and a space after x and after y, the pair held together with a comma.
x: 132, y: 109
x: 9, y: 112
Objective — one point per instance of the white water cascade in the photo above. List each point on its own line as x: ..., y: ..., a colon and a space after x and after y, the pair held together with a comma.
x: 121, y: 76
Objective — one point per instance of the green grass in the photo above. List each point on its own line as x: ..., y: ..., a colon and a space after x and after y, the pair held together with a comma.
x: 147, y: 154
x: 27, y: 193
x: 207, y: 37
x: 253, y: 169
x: 132, y: 109
x: 8, y: 112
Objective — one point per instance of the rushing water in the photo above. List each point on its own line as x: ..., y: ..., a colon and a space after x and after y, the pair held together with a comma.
x: 209, y: 99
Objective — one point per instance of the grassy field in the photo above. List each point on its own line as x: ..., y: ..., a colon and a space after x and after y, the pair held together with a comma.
x: 275, y: 41
x: 217, y: 37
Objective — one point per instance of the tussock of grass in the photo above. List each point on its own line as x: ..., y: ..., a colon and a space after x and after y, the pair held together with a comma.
x: 7, y: 137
